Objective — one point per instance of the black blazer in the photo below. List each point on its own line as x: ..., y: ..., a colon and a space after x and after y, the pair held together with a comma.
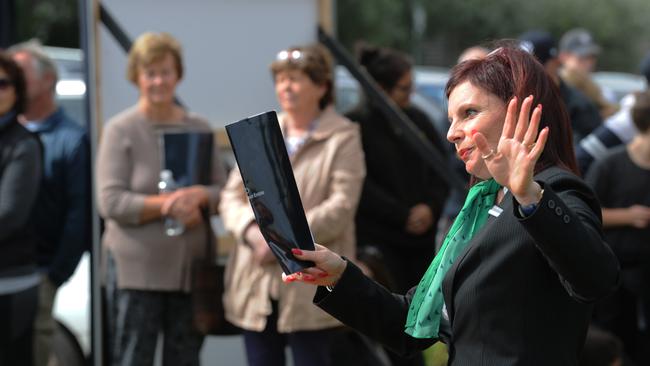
x: 519, y: 294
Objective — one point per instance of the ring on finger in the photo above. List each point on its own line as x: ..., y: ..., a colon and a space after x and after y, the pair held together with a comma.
x: 488, y: 155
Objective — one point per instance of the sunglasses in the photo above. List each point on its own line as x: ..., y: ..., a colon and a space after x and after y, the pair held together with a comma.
x: 5, y: 84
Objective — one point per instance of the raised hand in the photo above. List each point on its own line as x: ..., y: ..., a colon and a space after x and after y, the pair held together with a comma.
x: 327, y: 270
x: 512, y: 163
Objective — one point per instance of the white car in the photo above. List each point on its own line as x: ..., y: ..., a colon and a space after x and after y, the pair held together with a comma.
x: 616, y: 85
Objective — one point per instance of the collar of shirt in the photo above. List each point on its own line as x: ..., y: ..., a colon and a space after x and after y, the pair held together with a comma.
x: 46, y: 124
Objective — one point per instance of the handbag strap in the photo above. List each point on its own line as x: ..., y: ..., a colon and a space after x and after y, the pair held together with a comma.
x: 211, y: 244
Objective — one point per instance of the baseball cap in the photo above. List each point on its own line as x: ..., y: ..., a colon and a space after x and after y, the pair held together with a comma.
x: 580, y: 42
x: 540, y: 44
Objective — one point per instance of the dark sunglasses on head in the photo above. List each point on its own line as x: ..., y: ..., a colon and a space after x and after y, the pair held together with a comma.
x: 5, y: 83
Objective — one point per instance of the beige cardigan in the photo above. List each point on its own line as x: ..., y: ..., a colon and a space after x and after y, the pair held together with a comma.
x: 329, y: 170
x: 128, y: 170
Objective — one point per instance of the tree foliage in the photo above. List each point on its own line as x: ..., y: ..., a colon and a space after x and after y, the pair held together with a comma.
x: 621, y: 27
x: 53, y: 22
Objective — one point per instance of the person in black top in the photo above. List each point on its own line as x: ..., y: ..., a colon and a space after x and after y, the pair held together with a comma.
x: 621, y: 180
x: 20, y: 172
x: 402, y: 196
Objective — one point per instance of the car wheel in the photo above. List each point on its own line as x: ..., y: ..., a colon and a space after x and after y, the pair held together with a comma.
x: 66, y: 349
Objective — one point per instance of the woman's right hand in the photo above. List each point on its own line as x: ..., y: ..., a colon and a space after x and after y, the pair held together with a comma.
x: 261, y: 252
x: 327, y: 270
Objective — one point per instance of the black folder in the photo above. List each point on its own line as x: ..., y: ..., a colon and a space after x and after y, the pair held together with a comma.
x: 261, y: 155
x: 188, y: 155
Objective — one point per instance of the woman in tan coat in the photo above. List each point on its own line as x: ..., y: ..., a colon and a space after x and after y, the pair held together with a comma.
x: 327, y: 159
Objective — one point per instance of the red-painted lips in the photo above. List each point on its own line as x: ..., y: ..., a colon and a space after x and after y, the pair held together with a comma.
x: 463, y: 154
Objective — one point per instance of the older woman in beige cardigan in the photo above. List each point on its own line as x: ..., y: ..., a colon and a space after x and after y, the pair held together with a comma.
x: 328, y: 164
x: 151, y: 270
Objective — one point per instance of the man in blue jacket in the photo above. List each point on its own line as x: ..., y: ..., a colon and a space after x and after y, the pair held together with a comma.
x: 61, y: 215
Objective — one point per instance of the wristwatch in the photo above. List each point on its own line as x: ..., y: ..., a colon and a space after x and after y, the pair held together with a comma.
x: 527, y: 210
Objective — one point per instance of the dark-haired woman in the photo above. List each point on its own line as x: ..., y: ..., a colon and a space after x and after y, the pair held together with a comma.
x: 402, y: 196
x: 20, y: 171
x: 524, y: 261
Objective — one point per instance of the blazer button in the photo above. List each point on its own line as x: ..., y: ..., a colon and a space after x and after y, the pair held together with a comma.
x: 558, y: 211
x: 566, y: 219
x: 551, y: 204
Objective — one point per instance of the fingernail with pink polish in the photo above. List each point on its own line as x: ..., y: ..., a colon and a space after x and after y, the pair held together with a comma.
x: 296, y: 251
x: 308, y: 278
x: 323, y: 274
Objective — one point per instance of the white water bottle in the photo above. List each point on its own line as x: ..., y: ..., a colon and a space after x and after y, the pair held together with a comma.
x: 167, y: 184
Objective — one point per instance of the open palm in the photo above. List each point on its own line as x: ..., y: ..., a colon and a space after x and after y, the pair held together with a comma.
x: 513, y: 162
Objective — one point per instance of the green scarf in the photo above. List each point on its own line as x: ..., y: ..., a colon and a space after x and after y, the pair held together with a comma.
x: 424, y: 314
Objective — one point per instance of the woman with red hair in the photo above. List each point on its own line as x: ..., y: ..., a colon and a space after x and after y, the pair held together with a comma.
x: 524, y: 261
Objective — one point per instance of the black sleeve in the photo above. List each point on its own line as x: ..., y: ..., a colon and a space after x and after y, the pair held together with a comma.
x: 371, y: 309
x: 594, y: 146
x: 598, y: 178
x: 19, y: 185
x: 376, y: 201
x: 567, y: 229
x: 437, y: 188
x: 75, y: 236
x: 585, y: 117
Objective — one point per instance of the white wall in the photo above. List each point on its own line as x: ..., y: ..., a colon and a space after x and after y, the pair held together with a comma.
x: 227, y: 47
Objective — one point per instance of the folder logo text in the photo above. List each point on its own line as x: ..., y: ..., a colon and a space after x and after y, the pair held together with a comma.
x: 253, y: 195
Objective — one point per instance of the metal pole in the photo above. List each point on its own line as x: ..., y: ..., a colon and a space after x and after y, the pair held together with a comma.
x: 88, y: 42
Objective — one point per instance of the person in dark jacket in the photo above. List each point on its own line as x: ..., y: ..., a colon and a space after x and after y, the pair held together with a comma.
x: 20, y: 171
x: 516, y: 278
x: 402, y: 196
x: 61, y: 215
x: 621, y: 180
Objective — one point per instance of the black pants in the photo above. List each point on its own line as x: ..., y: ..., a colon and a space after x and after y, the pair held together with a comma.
x: 17, y: 314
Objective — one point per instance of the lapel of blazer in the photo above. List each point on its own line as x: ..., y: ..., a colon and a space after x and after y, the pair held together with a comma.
x: 472, y: 247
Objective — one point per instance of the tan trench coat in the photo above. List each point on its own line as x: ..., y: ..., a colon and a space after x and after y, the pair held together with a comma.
x: 329, y: 170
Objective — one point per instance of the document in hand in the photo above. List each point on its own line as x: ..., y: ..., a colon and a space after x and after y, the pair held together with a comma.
x: 261, y: 155
x: 188, y: 155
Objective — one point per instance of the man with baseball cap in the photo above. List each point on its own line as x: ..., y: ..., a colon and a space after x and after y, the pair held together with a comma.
x: 582, y: 112
x: 578, y: 55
